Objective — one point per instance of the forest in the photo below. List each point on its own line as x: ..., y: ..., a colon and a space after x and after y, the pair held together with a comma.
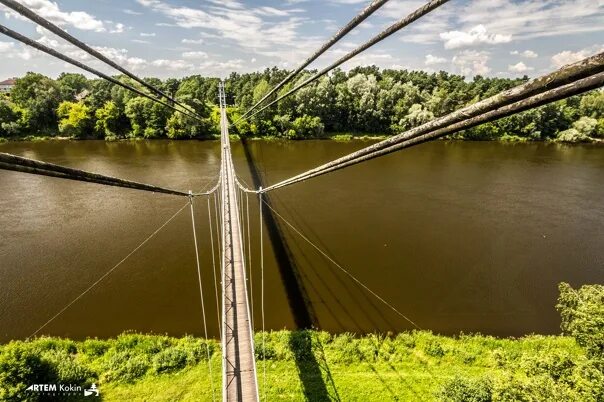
x: 362, y: 101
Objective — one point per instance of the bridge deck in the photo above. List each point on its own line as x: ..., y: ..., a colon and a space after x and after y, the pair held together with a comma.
x: 239, y: 366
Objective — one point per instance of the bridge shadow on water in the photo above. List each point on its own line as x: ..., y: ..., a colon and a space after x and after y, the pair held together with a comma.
x: 297, y: 295
x: 311, y: 369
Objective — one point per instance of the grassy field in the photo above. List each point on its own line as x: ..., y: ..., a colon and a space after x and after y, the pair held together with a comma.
x: 301, y: 365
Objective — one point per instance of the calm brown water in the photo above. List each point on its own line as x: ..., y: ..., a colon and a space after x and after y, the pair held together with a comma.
x: 459, y: 236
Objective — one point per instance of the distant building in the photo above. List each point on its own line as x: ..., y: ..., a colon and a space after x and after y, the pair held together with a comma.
x: 7, y: 86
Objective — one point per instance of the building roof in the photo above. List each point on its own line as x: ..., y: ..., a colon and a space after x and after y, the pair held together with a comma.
x: 10, y: 81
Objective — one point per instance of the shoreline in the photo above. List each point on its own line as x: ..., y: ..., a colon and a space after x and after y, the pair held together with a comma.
x: 337, y: 137
x: 303, y: 364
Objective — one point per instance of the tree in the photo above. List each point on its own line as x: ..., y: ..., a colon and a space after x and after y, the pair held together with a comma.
x: 39, y: 97
x: 10, y: 119
x: 147, y: 118
x: 592, y: 104
x: 416, y: 116
x: 306, y: 127
x: 192, y: 92
x: 72, y: 85
x: 75, y: 119
x: 180, y: 126
x: 109, y: 121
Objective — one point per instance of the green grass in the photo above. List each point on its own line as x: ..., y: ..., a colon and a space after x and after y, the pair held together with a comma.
x: 301, y: 365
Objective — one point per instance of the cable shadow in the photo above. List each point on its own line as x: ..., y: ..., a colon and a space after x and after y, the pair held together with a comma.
x: 310, y: 370
x: 297, y: 295
x: 297, y: 219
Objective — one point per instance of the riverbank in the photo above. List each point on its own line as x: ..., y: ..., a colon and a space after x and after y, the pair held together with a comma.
x: 339, y: 137
x: 304, y: 365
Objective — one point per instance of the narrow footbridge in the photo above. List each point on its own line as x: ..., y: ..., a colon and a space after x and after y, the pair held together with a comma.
x: 239, y: 365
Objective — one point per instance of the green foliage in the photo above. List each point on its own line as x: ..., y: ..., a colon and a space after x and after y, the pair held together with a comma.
x: 366, y: 100
x: 39, y: 97
x: 170, y: 359
x: 11, y: 119
x: 72, y: 86
x: 592, y: 104
x: 75, y: 119
x: 434, y: 349
x: 147, y: 118
x: 108, y: 121
x: 467, y: 390
x: 20, y: 366
x: 124, y: 366
x: 371, y: 100
x: 572, y: 135
x: 582, y: 313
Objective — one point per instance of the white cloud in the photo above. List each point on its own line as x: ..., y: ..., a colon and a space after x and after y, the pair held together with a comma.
x: 195, y: 55
x: 529, y: 54
x: 6, y: 46
x: 533, y: 19
x: 147, y: 35
x: 432, y: 60
x: 119, y: 28
x: 476, y: 36
x: 262, y: 30
x: 173, y: 64
x: 519, y: 68
x: 568, y: 57
x: 472, y: 62
x: 192, y: 41
x: 50, y: 10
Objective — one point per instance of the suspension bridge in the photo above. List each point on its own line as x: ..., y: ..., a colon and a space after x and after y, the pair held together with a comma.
x: 239, y: 371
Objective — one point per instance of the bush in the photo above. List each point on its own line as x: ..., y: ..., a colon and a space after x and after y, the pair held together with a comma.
x: 434, y: 349
x: 582, y: 313
x: 21, y: 366
x: 467, y: 390
x: 170, y: 359
x: 94, y: 347
x: 125, y: 367
x: 572, y: 135
x: 67, y: 370
x: 195, y: 349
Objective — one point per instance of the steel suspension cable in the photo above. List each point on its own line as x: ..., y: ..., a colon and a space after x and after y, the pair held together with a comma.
x: 214, y: 268
x: 203, y: 309
x: 570, y: 80
x: 397, y: 26
x: 218, y: 226
x: 26, y: 12
x: 249, y: 255
x: 106, y: 274
x: 32, y: 166
x: 260, y: 224
x: 356, y: 21
x: 339, y: 266
x: 30, y: 42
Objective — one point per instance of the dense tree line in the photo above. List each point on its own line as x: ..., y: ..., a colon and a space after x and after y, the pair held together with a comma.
x: 77, y: 107
x: 373, y: 101
x: 364, y: 100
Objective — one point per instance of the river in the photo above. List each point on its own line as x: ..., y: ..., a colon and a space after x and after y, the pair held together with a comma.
x: 458, y: 236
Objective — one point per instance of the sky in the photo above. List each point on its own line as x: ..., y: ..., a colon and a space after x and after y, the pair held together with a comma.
x: 177, y: 38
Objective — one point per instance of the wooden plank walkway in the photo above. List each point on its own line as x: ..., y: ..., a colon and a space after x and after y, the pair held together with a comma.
x: 238, y: 365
